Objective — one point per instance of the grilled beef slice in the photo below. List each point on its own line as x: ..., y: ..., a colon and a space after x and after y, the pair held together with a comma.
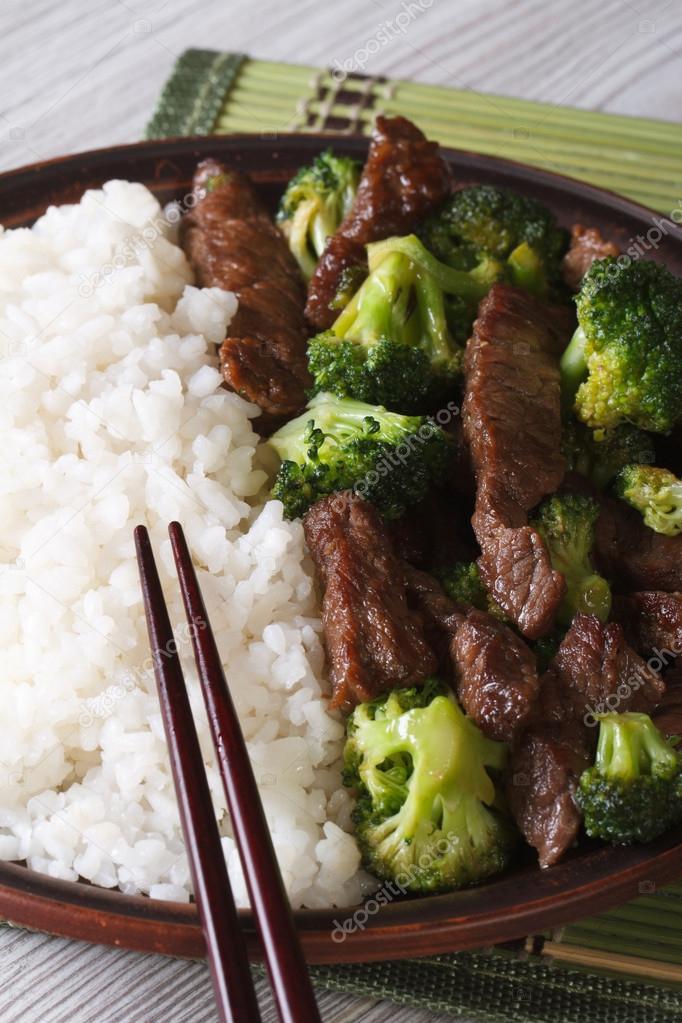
x: 374, y: 641
x: 231, y: 242
x: 652, y: 622
x: 594, y: 669
x: 404, y: 179
x: 633, y: 556
x: 586, y: 245
x: 497, y: 679
x: 494, y: 671
x: 546, y: 765
x: 512, y: 422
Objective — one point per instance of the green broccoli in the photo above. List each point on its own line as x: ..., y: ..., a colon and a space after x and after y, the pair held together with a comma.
x: 513, y: 229
x: 389, y: 459
x: 462, y: 582
x: 624, y: 362
x: 428, y: 814
x: 633, y: 791
x: 656, y: 493
x: 350, y: 279
x: 566, y: 523
x: 399, y: 340
x: 601, y: 454
x: 314, y: 203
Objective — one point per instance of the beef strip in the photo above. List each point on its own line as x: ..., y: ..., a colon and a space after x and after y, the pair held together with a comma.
x: 512, y: 422
x: 404, y: 179
x: 545, y: 768
x: 633, y: 556
x: 594, y: 669
x: 652, y: 622
x: 231, y: 242
x: 586, y: 245
x: 374, y: 640
x: 463, y: 481
x: 497, y: 679
x: 343, y: 257
x: 494, y: 671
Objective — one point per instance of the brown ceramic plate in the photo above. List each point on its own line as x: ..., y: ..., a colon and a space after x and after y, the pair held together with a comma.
x: 523, y: 901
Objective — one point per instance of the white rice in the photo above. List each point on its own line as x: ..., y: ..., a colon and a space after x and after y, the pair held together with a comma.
x: 111, y: 414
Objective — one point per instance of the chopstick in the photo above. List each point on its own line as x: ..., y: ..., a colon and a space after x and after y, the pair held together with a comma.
x: 286, y: 965
x: 228, y: 960
x: 284, y: 958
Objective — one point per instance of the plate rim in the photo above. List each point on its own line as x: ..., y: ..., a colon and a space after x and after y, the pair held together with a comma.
x: 354, y: 141
x: 532, y: 902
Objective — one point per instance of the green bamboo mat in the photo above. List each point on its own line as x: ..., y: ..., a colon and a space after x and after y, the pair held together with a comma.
x: 226, y: 92
x: 626, y: 965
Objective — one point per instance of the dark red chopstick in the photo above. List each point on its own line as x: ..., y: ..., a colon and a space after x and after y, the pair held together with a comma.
x: 227, y: 956
x: 284, y: 956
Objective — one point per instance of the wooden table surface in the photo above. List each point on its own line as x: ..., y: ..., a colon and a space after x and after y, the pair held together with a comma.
x: 76, y: 75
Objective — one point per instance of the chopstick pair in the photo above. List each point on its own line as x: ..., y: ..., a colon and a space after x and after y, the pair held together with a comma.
x: 226, y: 948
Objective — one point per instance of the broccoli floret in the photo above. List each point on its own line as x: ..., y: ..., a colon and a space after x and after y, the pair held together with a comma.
x: 601, y: 454
x: 624, y: 362
x: 656, y: 493
x: 462, y: 582
x: 566, y: 523
x: 428, y: 814
x: 513, y: 229
x: 387, y: 458
x: 398, y: 341
x: 314, y: 203
x: 633, y: 791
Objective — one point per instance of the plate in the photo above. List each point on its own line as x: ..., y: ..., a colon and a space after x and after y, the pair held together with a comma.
x: 524, y: 900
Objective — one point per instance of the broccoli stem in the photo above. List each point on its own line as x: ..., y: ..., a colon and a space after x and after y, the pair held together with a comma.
x: 384, y: 307
x: 527, y: 270
x: 297, y: 232
x: 470, y: 286
x: 573, y: 367
x: 595, y: 597
x: 379, y: 303
x: 323, y: 225
x: 432, y: 309
x: 630, y: 745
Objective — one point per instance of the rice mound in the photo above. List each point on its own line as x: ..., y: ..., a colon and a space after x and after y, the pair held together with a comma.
x: 111, y: 414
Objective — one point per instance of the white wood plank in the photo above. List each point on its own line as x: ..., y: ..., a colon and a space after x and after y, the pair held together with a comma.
x: 76, y: 75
